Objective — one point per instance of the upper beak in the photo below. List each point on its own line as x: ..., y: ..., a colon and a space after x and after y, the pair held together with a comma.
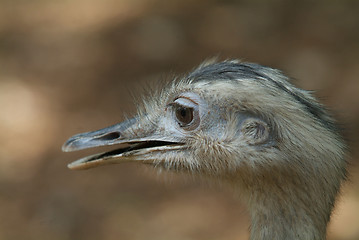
x: 133, y: 141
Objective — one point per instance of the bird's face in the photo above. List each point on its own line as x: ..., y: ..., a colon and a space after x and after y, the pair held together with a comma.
x: 221, y: 118
x: 187, y: 127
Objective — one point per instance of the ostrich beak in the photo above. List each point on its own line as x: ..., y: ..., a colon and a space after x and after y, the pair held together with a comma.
x: 133, y: 143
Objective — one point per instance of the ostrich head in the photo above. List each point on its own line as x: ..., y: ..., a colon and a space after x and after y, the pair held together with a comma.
x: 243, y: 124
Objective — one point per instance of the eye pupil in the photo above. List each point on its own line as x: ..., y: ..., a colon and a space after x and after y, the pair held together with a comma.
x: 184, y: 115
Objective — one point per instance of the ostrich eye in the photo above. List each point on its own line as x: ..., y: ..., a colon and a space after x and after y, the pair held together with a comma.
x: 184, y: 115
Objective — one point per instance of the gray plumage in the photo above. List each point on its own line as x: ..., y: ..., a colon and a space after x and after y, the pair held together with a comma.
x: 246, y: 125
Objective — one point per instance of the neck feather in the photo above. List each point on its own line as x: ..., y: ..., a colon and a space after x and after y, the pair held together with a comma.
x: 274, y: 217
x: 290, y: 206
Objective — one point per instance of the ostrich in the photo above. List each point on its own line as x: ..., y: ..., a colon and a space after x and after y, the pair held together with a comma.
x: 245, y: 125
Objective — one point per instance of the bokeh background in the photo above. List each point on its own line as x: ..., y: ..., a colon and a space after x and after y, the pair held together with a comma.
x: 73, y: 66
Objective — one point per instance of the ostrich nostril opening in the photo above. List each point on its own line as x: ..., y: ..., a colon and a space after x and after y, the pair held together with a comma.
x: 110, y: 136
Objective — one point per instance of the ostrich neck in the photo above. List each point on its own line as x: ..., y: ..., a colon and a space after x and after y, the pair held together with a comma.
x: 283, y: 207
x: 280, y: 219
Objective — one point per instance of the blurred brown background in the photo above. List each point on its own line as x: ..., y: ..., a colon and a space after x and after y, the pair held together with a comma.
x: 73, y: 66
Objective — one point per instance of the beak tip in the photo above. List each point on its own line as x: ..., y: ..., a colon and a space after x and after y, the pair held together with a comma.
x: 66, y: 147
x: 75, y: 165
x: 74, y: 144
x: 71, y: 166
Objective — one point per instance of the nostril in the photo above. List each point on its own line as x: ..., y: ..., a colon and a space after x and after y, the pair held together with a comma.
x: 110, y: 136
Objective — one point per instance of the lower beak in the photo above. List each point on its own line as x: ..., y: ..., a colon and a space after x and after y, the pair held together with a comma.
x: 130, y: 146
